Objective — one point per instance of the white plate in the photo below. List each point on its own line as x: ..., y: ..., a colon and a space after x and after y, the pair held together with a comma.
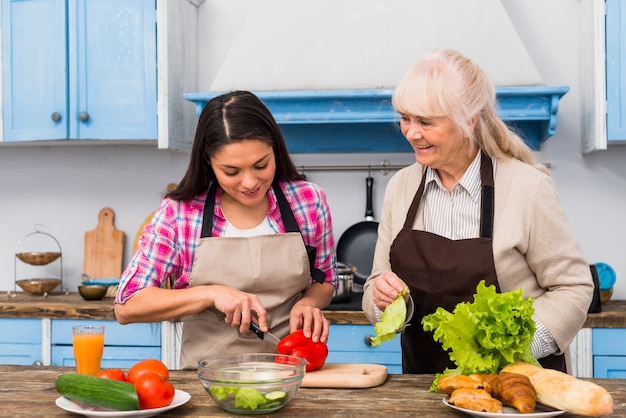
x: 541, y: 411
x: 180, y: 397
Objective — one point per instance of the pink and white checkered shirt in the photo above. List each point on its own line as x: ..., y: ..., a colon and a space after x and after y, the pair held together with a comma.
x: 168, y: 245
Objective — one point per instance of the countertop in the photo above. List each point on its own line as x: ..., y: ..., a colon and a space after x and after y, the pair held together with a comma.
x: 25, y: 305
x: 27, y: 391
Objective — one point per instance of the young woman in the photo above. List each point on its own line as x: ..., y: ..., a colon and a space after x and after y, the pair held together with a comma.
x: 243, y: 236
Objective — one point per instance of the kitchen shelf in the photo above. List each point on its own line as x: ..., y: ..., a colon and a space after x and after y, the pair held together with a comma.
x: 363, y: 121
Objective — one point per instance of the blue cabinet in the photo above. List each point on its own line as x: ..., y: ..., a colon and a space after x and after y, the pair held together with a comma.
x: 609, y: 352
x: 346, y: 344
x: 78, y: 69
x: 20, y: 341
x: 616, y: 70
x: 124, y: 345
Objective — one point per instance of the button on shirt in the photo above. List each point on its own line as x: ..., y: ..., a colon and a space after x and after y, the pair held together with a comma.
x: 456, y: 215
x: 168, y: 245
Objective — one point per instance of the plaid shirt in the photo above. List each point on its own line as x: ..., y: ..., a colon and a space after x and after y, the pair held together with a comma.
x: 168, y: 245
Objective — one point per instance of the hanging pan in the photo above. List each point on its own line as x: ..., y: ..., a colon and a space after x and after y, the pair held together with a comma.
x: 356, y: 245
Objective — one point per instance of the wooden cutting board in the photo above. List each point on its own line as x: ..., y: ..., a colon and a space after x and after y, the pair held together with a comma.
x: 340, y: 375
x: 104, y: 248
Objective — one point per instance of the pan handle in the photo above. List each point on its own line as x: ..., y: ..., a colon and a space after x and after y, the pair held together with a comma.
x: 369, y: 206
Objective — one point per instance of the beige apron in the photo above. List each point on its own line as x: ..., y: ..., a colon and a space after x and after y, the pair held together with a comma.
x: 274, y: 267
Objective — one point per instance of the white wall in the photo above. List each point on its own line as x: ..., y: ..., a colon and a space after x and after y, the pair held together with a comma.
x: 64, y: 187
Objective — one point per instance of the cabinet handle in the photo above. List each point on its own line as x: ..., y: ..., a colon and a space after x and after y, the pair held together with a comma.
x: 83, y: 116
x: 37, y: 363
x: 56, y: 116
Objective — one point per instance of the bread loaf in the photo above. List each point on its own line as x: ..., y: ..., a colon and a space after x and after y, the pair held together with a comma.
x: 562, y: 391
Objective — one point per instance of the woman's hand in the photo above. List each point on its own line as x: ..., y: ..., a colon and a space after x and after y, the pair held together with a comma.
x: 386, y: 289
x: 307, y: 315
x: 240, y: 308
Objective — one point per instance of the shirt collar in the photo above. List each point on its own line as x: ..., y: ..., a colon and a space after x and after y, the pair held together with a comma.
x: 470, y: 181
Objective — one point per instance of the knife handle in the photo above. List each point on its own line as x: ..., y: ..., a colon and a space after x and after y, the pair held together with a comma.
x: 255, y: 328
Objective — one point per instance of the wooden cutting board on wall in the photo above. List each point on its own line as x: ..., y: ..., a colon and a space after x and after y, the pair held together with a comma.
x: 104, y: 248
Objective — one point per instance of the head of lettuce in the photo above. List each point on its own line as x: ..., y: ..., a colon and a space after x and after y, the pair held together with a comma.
x: 487, y: 334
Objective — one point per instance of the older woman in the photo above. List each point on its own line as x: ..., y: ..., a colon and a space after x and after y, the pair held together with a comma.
x: 476, y: 206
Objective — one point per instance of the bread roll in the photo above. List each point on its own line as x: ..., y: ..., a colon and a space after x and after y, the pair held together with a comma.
x: 562, y: 391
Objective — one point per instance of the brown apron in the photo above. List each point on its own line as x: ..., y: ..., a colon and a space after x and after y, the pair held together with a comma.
x: 443, y: 272
x: 274, y: 267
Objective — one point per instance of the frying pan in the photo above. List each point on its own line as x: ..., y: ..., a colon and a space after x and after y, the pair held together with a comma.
x: 356, y: 245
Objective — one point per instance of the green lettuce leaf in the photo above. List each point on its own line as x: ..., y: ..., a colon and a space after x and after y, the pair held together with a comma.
x: 391, y: 320
x: 484, y: 336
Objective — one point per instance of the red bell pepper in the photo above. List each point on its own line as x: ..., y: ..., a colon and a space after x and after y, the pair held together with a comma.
x: 296, y: 344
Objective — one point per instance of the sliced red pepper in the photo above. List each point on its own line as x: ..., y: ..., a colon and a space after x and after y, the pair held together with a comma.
x: 296, y: 344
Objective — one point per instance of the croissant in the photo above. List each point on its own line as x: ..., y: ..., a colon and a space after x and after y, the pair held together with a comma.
x: 562, y: 391
x: 514, y: 390
x: 475, y: 399
x: 447, y: 384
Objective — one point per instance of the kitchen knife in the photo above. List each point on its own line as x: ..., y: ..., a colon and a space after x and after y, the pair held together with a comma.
x: 265, y: 336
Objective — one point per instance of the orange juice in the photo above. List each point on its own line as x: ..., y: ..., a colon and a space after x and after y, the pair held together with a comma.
x: 88, y: 348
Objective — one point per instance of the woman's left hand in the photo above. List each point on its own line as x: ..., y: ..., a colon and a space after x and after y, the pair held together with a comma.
x: 307, y: 315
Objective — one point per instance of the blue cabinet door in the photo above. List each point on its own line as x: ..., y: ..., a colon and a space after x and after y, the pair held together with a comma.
x: 616, y: 70
x: 609, y: 352
x: 20, y: 341
x: 34, y: 78
x: 113, y: 69
x: 79, y: 69
x: 346, y: 344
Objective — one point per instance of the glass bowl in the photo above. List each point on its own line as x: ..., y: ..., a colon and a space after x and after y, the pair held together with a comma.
x: 255, y: 383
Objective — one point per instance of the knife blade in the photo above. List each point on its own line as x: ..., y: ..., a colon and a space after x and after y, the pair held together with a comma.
x: 265, y: 336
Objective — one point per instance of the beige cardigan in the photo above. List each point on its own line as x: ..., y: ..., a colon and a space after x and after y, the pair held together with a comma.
x: 533, y: 245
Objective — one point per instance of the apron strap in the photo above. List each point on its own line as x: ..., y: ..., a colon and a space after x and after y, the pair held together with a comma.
x: 291, y: 225
x: 209, y: 207
x: 487, y: 197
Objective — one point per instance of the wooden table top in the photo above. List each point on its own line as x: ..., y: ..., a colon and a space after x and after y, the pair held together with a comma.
x: 25, y: 305
x: 27, y: 391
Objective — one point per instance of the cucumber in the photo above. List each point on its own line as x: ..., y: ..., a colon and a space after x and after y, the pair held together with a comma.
x: 276, y: 396
x: 97, y: 391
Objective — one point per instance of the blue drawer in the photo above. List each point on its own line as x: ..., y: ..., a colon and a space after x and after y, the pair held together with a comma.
x: 18, y: 330
x: 609, y: 367
x: 20, y: 354
x: 609, y: 341
x: 346, y: 344
x: 147, y: 334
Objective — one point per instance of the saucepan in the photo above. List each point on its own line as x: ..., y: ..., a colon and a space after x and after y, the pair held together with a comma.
x: 345, y: 275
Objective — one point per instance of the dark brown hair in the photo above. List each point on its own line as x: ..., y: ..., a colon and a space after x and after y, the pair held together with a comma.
x: 226, y: 119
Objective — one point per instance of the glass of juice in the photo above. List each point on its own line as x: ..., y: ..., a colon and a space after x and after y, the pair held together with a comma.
x: 88, y: 347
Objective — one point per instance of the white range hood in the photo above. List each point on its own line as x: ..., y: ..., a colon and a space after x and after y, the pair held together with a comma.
x: 327, y: 68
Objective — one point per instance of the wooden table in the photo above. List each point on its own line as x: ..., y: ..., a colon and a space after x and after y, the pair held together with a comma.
x: 28, y: 391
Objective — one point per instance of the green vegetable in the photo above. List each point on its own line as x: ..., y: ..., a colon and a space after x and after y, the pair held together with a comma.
x: 487, y: 334
x: 249, y: 398
x: 391, y: 320
x: 97, y: 391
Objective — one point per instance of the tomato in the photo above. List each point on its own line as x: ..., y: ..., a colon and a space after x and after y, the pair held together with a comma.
x: 148, y: 365
x: 113, y: 374
x: 153, y: 391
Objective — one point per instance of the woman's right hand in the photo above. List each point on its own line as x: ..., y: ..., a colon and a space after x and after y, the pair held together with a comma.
x: 240, y: 308
x: 386, y: 289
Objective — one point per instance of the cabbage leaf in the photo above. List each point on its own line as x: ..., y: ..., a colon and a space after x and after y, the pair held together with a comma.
x: 487, y: 334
